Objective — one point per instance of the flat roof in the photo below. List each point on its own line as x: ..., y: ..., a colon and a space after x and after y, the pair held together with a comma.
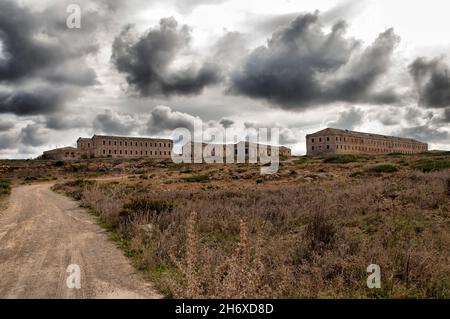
x: 361, y: 134
x: 132, y: 138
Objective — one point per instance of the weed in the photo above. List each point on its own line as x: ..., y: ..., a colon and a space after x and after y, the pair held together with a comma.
x: 384, y: 168
x: 342, y: 159
x: 196, y: 179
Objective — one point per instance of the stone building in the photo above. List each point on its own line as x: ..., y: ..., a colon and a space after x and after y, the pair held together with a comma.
x: 64, y: 153
x: 248, y: 149
x: 335, y: 141
x: 117, y: 146
x: 114, y: 146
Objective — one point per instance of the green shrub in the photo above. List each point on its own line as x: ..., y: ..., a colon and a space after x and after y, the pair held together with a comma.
x: 395, y: 154
x: 144, y: 204
x: 357, y: 174
x: 196, y: 179
x: 80, y: 182
x: 341, y: 159
x: 385, y: 168
x: 428, y: 165
x: 5, y: 186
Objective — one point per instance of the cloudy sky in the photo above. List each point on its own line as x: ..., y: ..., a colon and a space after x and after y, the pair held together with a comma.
x: 144, y: 68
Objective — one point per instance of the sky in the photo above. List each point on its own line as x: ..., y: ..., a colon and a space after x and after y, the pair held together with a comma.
x: 145, y: 68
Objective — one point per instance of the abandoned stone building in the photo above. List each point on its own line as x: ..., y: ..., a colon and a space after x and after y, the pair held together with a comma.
x: 64, y: 153
x: 249, y: 150
x: 335, y: 141
x: 114, y: 146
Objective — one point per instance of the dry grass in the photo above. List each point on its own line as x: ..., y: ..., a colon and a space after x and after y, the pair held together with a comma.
x: 312, y: 236
x: 309, y: 231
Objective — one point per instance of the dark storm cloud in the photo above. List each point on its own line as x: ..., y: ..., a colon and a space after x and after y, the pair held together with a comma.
x: 65, y: 121
x: 163, y: 118
x: 348, y: 119
x: 446, y: 117
x: 302, y: 65
x: 32, y: 48
x: 7, y: 141
x: 38, y: 50
x: 432, y: 79
x: 147, y: 61
x: 5, y: 125
x: 226, y: 123
x: 424, y: 133
x: 33, y: 135
x: 43, y: 100
x: 113, y: 123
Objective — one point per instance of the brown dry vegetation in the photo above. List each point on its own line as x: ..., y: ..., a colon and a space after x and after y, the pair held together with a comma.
x: 309, y: 231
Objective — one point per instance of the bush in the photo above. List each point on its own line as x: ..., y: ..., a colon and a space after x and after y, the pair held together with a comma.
x: 357, y: 174
x: 144, y: 204
x: 341, y: 159
x: 385, y: 168
x: 5, y: 186
x: 428, y: 165
x: 59, y: 163
x: 196, y: 179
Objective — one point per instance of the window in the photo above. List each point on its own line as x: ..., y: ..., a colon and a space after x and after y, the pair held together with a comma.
x: 89, y: 144
x: 320, y: 139
x: 312, y: 140
x: 109, y: 152
x: 145, y: 144
x: 164, y: 144
x: 125, y: 152
x: 136, y: 145
x: 126, y: 143
x: 312, y: 148
x: 120, y: 152
x: 120, y: 143
x: 146, y: 153
x: 104, y: 152
x: 115, y: 152
x: 104, y: 142
x: 109, y: 142
x: 328, y: 139
x: 328, y: 147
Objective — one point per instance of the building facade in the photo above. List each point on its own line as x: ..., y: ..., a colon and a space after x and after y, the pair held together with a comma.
x: 64, y: 153
x: 334, y: 141
x: 115, y: 147
x: 249, y: 150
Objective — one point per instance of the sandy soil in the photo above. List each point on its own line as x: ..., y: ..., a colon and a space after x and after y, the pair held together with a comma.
x: 42, y: 233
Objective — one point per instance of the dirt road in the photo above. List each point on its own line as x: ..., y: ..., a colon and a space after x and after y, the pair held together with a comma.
x: 42, y: 233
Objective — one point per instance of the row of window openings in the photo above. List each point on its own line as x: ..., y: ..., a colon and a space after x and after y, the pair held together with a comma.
x: 136, y: 144
x: 374, y: 142
x: 354, y: 148
x: 137, y: 153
